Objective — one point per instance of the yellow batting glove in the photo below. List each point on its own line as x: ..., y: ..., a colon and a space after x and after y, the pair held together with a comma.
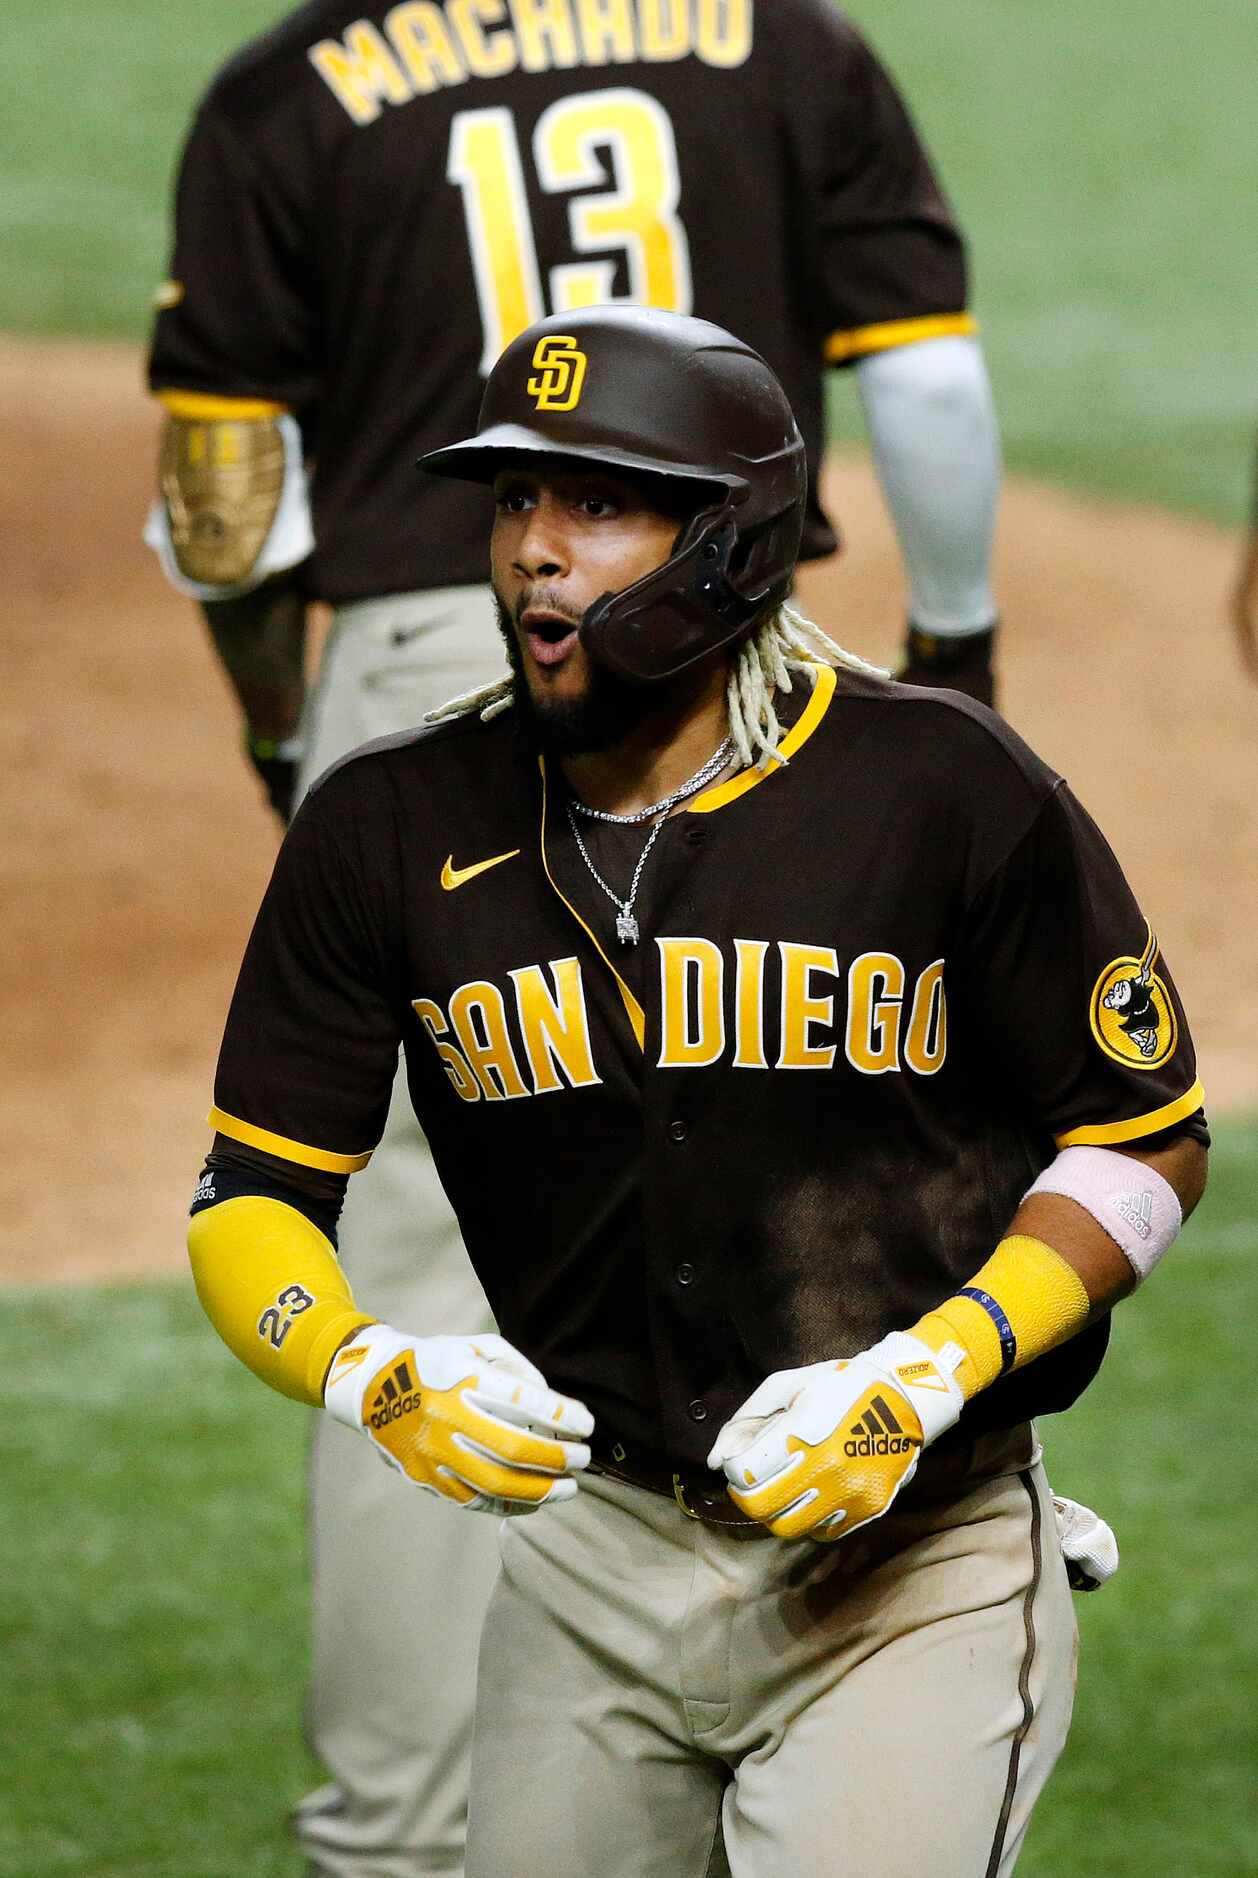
x: 467, y: 1418
x: 819, y: 1452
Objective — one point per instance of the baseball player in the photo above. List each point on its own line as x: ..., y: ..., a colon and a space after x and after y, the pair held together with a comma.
x: 757, y: 1010
x: 1245, y: 591
x: 370, y: 205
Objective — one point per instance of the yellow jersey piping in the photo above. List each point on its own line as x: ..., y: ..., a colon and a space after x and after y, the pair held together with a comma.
x: 1102, y: 1134
x: 322, y: 1158
x: 637, y: 1016
x: 862, y: 340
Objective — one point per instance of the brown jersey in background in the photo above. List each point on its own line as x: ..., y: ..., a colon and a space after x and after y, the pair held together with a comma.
x: 412, y: 185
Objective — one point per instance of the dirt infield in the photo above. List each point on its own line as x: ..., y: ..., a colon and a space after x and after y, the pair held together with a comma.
x: 135, y: 846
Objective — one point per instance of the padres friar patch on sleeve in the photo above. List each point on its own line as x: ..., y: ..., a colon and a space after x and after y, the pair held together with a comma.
x: 1131, y: 1014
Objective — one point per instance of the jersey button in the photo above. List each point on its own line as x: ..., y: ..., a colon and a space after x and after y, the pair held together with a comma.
x: 677, y: 1131
x: 698, y: 1410
x: 685, y: 1273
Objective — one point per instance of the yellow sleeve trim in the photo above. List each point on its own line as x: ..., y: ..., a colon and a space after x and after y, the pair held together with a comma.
x: 795, y: 738
x: 271, y: 1285
x: 633, y: 1010
x: 201, y: 408
x: 1101, y: 1134
x: 281, y: 1146
x: 861, y: 340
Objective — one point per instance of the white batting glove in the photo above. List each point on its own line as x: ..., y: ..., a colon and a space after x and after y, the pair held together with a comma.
x: 819, y: 1452
x: 1088, y: 1545
x: 467, y: 1418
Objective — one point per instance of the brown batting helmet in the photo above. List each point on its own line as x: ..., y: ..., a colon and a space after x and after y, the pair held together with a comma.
x: 660, y: 394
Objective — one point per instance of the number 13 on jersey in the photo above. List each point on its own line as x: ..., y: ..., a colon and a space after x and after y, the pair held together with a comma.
x: 636, y: 214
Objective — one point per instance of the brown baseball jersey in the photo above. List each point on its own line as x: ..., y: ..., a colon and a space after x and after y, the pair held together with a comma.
x: 875, y: 991
x: 372, y: 204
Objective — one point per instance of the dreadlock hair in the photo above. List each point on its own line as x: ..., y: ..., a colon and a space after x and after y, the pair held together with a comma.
x: 787, y: 641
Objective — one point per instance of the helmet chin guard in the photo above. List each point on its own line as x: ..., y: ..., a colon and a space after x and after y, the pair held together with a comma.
x: 646, y: 393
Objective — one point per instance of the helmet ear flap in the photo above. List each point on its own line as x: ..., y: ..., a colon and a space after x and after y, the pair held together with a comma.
x: 764, y: 559
x: 755, y: 552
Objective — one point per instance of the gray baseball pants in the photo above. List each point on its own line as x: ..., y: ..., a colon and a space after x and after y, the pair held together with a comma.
x: 660, y: 1698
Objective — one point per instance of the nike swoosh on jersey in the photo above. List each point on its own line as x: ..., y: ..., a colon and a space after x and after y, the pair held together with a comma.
x: 452, y: 876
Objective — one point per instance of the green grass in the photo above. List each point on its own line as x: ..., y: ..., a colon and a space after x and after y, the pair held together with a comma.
x: 153, y: 1615
x: 95, y: 112
x: 1101, y: 162
x: 1158, y: 1775
x: 1093, y: 156
x: 152, y: 1623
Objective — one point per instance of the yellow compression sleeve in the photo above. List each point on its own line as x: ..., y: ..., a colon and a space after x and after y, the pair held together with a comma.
x: 270, y: 1284
x: 1024, y: 1301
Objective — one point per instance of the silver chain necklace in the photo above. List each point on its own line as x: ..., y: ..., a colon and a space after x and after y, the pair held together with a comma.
x: 626, y: 925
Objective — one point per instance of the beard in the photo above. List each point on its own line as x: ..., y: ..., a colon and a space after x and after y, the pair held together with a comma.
x: 599, y: 719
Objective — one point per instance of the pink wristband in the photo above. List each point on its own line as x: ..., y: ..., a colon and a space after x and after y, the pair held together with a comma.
x: 1137, y: 1208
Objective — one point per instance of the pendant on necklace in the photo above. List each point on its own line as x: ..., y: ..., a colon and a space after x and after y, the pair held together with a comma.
x: 626, y: 929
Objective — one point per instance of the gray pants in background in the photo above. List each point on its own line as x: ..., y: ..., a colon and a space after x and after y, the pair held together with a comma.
x: 399, y: 1581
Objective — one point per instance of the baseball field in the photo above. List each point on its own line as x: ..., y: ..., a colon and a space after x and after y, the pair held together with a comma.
x: 151, y: 1545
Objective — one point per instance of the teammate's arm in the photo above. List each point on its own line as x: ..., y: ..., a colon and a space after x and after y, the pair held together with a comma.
x: 932, y: 428
x: 823, y: 1450
x: 260, y: 638
x: 234, y: 358
x: 888, y: 285
x: 231, y: 526
x: 1245, y: 592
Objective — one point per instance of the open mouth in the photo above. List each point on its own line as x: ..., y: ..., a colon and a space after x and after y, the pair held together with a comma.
x: 550, y: 637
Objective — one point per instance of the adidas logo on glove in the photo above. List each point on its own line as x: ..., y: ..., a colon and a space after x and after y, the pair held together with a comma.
x: 877, y: 1432
x: 395, y: 1399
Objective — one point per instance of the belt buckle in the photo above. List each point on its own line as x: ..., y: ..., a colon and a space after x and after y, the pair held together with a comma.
x: 679, y: 1494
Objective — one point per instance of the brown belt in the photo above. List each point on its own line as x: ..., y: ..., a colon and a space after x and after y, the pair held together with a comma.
x: 959, y: 1463
x: 700, y: 1496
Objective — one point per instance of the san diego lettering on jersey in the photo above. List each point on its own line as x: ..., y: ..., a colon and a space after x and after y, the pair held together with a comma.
x: 893, y: 1164
x: 422, y: 47
x: 749, y: 1004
